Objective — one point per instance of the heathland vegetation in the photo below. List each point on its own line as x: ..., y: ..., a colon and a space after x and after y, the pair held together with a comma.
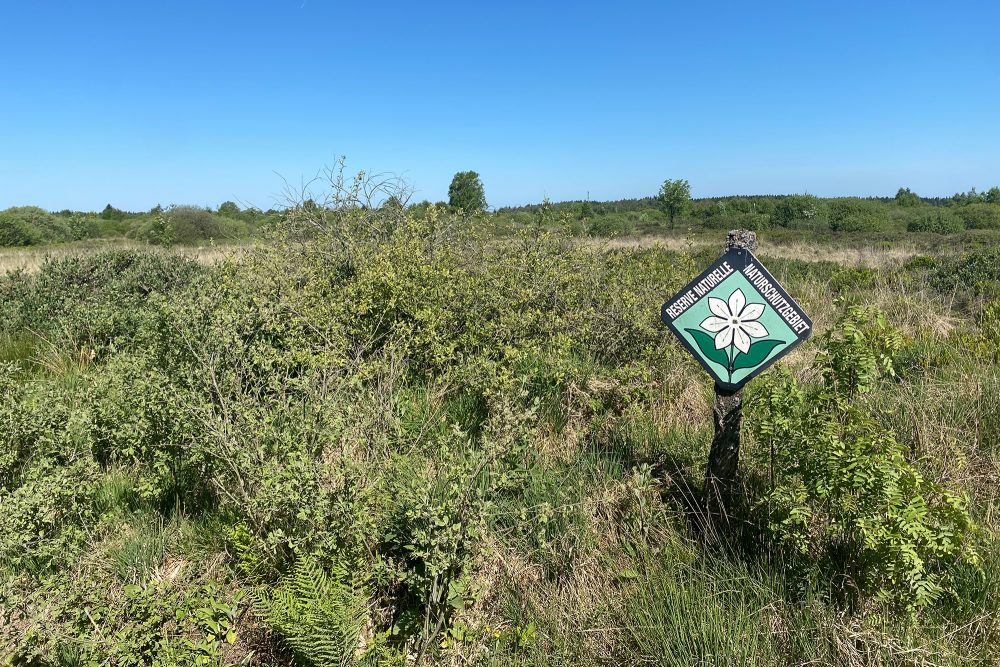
x: 894, y: 217
x: 397, y: 434
x: 31, y: 225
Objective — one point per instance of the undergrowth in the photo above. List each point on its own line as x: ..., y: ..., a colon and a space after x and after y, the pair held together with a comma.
x: 397, y: 441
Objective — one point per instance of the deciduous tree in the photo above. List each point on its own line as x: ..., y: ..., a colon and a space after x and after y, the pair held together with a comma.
x: 673, y: 198
x: 466, y: 193
x: 906, y: 197
x: 229, y: 209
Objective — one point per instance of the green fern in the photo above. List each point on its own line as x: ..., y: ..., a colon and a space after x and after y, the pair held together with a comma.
x: 318, y: 614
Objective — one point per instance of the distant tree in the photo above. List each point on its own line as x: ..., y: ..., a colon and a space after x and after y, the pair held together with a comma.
x: 673, y: 198
x: 229, y: 209
x: 161, y: 230
x: 970, y: 197
x: 466, y: 193
x: 904, y: 197
x: 186, y: 224
x: 80, y: 227
x: 586, y: 210
x: 544, y: 216
x: 112, y: 213
x: 419, y: 209
x: 992, y: 196
x: 27, y: 225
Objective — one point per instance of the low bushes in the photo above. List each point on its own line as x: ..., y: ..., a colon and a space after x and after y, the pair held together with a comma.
x: 976, y: 272
x: 187, y: 225
x: 91, y: 300
x: 425, y: 444
x: 939, y: 221
x: 857, y: 215
x: 798, y: 211
x: 30, y: 225
x: 980, y: 216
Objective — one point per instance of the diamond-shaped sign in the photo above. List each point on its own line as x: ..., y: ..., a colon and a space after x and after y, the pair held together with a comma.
x: 736, y: 319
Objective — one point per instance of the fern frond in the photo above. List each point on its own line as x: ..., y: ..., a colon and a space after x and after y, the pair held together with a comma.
x: 319, y: 615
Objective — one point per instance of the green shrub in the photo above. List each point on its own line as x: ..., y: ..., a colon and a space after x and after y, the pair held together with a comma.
x: 91, y: 300
x: 44, y: 518
x: 737, y: 220
x: 940, y: 221
x: 82, y: 227
x: 980, y: 216
x: 907, y: 198
x: 190, y: 223
x: 976, y: 272
x: 187, y: 225
x: 140, y: 419
x: 160, y: 230
x: 845, y: 499
x: 611, y: 226
x: 920, y: 263
x: 858, y: 215
x: 110, y: 228
x: 797, y: 211
x: 28, y: 225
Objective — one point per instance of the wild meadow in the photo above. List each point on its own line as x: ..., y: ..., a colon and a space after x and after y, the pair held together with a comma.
x: 390, y: 436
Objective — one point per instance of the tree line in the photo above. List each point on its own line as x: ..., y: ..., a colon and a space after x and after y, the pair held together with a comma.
x: 671, y: 205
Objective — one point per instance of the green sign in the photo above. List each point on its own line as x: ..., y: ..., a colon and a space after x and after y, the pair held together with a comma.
x: 736, y: 319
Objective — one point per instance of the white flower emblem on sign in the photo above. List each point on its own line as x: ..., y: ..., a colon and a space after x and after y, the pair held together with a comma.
x: 734, y: 323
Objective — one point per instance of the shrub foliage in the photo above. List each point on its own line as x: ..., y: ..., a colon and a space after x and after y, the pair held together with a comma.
x: 844, y: 494
x: 411, y: 440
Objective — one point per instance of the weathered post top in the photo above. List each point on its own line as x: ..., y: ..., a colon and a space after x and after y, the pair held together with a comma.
x: 741, y: 238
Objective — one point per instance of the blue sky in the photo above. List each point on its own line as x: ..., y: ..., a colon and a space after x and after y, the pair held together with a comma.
x: 139, y: 103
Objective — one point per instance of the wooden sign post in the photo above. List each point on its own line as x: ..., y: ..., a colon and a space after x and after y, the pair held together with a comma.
x: 736, y: 320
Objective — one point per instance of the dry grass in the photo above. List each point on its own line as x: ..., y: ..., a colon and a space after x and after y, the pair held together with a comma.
x: 863, y: 255
x: 31, y: 259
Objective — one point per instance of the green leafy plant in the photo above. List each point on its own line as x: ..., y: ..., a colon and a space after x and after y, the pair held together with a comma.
x: 940, y: 221
x: 844, y: 494
x: 980, y: 216
x: 851, y: 214
x: 319, y: 614
x: 466, y: 193
x: 161, y: 230
x: 673, y: 198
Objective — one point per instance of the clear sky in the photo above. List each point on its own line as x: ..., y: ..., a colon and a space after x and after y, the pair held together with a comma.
x: 138, y: 103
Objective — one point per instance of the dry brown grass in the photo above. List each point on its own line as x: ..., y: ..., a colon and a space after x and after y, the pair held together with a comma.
x: 864, y: 255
